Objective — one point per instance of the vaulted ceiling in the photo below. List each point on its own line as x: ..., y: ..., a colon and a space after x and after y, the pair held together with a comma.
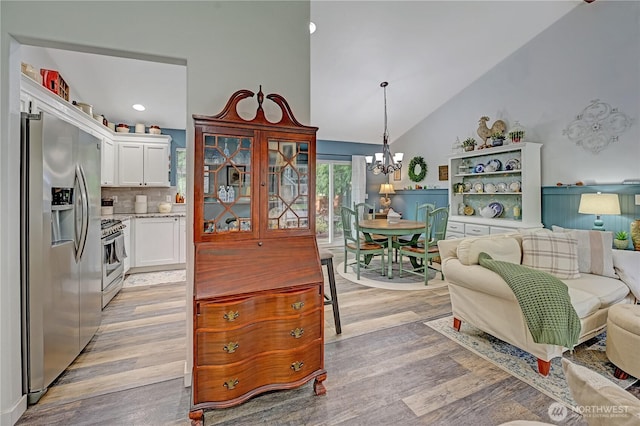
x: 428, y: 51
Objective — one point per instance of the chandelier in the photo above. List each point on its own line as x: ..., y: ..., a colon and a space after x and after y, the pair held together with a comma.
x: 385, y: 161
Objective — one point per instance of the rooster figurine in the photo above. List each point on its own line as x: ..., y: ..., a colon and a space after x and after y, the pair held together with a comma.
x: 485, y: 133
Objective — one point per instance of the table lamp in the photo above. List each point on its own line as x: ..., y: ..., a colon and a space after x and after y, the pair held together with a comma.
x: 385, y: 202
x: 599, y: 204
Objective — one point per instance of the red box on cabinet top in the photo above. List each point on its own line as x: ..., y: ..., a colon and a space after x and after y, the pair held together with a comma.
x: 52, y: 80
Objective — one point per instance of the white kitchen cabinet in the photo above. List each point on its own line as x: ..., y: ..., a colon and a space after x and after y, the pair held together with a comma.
x: 143, y: 160
x: 157, y: 241
x: 107, y: 162
x: 126, y: 232
x: 183, y: 240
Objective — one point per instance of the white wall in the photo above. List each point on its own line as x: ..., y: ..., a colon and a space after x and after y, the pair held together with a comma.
x: 226, y: 45
x: 591, y: 53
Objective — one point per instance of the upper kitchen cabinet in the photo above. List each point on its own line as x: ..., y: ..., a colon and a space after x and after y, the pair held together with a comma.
x: 143, y: 160
x: 127, y: 159
x: 108, y: 162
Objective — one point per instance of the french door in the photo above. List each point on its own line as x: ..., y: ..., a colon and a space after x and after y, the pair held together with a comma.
x: 333, y: 189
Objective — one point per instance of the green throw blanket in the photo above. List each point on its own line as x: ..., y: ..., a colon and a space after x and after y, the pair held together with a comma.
x: 544, y: 301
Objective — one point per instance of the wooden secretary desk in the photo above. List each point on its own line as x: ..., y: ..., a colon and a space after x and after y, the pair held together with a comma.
x: 258, y: 297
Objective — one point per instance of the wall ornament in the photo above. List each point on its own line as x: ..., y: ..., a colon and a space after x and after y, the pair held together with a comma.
x: 417, y: 176
x: 597, y: 126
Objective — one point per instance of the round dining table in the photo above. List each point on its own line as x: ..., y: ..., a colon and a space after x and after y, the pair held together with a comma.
x: 393, y: 229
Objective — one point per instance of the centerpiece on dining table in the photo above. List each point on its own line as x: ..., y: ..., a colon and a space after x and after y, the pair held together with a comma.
x: 393, y: 216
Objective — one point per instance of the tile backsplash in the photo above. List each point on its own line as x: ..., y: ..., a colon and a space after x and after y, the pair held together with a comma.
x: 126, y: 198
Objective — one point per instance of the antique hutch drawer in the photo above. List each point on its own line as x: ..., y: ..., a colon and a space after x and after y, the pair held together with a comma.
x: 223, y: 383
x: 238, y: 312
x: 471, y: 229
x: 230, y: 346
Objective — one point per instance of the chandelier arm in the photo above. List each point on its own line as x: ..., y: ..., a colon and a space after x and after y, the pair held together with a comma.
x: 387, y: 164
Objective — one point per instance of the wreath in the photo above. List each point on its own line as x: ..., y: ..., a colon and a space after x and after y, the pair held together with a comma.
x: 417, y: 161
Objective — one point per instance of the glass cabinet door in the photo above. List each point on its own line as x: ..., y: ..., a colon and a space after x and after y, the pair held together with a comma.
x: 288, y: 180
x: 227, y: 184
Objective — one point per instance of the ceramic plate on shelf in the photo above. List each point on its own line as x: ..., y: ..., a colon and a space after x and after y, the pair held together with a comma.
x: 489, y: 187
x: 495, y: 164
x: 501, y: 187
x: 514, y: 186
x: 468, y: 210
x: 478, y: 187
x: 497, y: 208
x: 479, y: 168
x: 467, y: 186
x: 513, y: 164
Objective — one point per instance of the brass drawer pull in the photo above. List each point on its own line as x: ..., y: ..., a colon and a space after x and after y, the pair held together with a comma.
x: 230, y: 347
x: 231, y: 315
x: 297, y: 333
x: 297, y: 305
x: 231, y: 384
x: 297, y: 366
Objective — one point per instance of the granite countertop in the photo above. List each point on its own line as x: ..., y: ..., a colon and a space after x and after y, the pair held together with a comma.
x: 125, y: 216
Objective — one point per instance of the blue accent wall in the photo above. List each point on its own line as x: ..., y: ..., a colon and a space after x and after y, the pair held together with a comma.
x: 178, y: 140
x: 560, y: 207
x: 342, y: 151
x: 404, y: 201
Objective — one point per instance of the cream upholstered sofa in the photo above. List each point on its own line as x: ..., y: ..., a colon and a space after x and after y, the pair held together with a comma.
x: 483, y: 299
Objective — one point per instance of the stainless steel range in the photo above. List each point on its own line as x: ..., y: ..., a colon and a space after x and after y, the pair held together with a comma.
x: 113, y: 255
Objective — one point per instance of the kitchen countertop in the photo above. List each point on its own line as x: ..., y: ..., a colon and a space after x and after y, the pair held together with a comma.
x: 125, y: 216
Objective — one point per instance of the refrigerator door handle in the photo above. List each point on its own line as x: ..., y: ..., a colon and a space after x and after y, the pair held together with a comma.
x: 81, y: 211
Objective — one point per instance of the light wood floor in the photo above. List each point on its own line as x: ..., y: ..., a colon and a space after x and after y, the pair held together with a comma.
x: 385, y: 368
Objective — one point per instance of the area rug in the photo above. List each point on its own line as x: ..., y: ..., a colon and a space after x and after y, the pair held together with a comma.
x: 373, y: 278
x: 151, y: 278
x: 524, y: 366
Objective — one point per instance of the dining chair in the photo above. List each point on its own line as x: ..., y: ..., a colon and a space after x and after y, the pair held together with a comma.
x: 362, y: 211
x: 435, y: 228
x: 364, y: 250
x: 422, y: 211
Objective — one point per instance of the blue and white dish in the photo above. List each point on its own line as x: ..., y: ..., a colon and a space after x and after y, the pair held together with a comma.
x: 497, y: 208
x: 513, y: 164
x: 495, y: 164
x: 479, y: 168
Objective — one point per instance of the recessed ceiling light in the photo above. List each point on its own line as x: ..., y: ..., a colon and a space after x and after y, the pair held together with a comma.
x: 138, y: 107
x: 312, y: 28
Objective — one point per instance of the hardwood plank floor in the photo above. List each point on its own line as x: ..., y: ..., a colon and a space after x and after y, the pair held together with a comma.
x: 385, y: 368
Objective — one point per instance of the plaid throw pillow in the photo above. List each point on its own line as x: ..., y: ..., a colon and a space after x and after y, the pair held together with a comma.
x: 555, y: 253
x: 595, y: 255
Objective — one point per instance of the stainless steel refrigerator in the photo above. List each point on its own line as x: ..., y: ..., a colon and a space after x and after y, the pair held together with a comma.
x: 60, y: 247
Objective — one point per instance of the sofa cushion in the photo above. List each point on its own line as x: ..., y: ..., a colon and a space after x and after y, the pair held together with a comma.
x: 608, y: 291
x: 591, y: 390
x: 595, y: 255
x: 583, y: 302
x: 505, y: 248
x: 555, y: 253
x: 627, y: 266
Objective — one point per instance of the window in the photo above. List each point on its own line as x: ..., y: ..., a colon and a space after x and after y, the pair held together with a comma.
x: 181, y: 171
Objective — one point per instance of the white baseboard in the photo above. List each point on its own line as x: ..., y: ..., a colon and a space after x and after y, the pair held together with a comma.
x: 12, y: 415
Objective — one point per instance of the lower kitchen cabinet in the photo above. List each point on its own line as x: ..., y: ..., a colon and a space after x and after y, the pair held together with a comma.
x: 183, y: 240
x: 157, y: 241
x: 127, y: 245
